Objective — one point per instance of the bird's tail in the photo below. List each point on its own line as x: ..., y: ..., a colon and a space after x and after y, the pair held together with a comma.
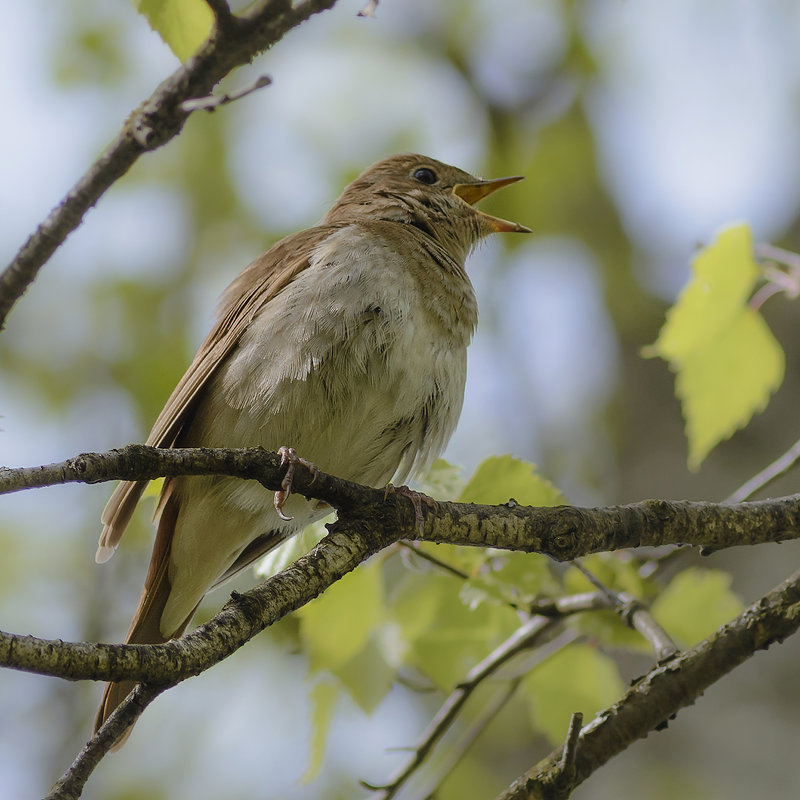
x: 146, y: 625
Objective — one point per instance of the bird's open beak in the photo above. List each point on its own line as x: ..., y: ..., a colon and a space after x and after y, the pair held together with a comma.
x: 473, y: 192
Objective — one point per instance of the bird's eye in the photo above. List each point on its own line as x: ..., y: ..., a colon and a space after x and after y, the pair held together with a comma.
x: 425, y: 175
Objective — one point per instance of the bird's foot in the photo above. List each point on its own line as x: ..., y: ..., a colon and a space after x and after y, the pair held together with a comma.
x: 288, y: 456
x: 416, y: 498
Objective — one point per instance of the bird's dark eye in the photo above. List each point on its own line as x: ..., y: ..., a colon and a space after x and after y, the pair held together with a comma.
x: 425, y: 175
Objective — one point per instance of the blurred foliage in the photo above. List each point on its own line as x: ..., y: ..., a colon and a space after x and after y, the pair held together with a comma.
x: 431, y: 620
x: 578, y: 677
x: 98, y: 343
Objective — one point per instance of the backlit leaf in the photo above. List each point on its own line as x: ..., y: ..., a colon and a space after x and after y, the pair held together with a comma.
x: 323, y: 702
x: 722, y: 385
x: 577, y: 678
x: 695, y: 603
x: 338, y: 624
x: 723, y: 276
x: 499, y: 478
x: 727, y: 361
x: 183, y: 24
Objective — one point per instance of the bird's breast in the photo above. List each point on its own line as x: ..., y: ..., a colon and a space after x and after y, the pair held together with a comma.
x: 359, y: 363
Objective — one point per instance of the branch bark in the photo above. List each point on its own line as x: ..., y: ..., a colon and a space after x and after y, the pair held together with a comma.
x: 667, y: 688
x: 368, y: 521
x: 235, y: 40
x: 561, y: 532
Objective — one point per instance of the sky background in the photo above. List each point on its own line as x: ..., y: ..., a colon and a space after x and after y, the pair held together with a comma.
x: 641, y: 128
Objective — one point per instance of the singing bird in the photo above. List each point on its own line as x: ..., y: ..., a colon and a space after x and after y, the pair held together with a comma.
x: 346, y: 342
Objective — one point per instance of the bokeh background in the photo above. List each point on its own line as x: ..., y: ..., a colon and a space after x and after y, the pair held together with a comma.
x: 641, y: 126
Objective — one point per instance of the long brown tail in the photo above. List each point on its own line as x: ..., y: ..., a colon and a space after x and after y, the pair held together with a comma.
x: 145, y: 627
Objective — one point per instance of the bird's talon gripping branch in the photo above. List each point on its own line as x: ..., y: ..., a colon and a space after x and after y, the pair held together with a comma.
x: 416, y: 498
x: 289, y: 457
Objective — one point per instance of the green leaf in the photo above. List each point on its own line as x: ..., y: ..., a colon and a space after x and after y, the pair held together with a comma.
x: 183, y: 24
x: 695, y: 604
x: 442, y: 480
x: 338, y: 624
x: 323, y: 703
x: 723, y: 276
x: 729, y: 380
x: 577, y: 678
x: 727, y: 361
x: 289, y: 551
x: 499, y: 478
x: 367, y: 676
x: 443, y: 637
x: 510, y: 578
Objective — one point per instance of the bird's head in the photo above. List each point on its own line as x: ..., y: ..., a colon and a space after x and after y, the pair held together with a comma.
x: 433, y: 197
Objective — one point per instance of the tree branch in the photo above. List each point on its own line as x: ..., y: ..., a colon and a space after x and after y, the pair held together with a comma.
x: 522, y: 639
x: 634, y: 614
x: 368, y: 521
x: 562, y: 532
x: 235, y: 40
x: 242, y: 617
x: 70, y: 785
x: 667, y: 688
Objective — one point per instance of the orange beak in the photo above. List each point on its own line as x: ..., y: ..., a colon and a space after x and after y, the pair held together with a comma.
x: 471, y: 193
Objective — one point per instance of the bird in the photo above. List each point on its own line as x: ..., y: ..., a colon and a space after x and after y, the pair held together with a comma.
x: 346, y: 342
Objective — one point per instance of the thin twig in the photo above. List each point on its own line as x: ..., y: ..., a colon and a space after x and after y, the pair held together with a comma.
x: 155, y: 122
x: 453, y: 757
x: 213, y: 102
x: 444, y: 566
x: 767, y: 475
x: 764, y: 293
x: 755, y: 484
x: 522, y: 639
x: 571, y: 604
x: 569, y: 754
x: 778, y: 254
x: 634, y: 614
x: 70, y: 785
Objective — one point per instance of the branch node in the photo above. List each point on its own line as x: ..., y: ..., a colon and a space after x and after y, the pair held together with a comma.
x: 212, y: 102
x: 369, y: 9
x: 566, y: 766
x: 223, y: 16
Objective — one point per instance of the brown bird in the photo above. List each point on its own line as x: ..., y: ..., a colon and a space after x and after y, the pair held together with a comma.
x: 348, y: 342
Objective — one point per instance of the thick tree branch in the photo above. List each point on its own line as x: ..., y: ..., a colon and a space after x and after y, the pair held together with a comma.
x: 240, y: 620
x: 562, y: 532
x: 368, y: 521
x: 235, y: 40
x: 667, y: 688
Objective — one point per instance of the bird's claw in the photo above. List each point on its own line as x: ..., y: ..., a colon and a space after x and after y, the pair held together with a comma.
x: 289, y: 457
x: 416, y: 498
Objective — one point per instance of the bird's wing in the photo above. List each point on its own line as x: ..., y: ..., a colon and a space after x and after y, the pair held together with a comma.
x: 255, y: 286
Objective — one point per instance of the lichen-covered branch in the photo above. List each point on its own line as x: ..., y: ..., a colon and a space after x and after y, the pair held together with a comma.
x: 370, y: 520
x: 563, y: 532
x: 235, y: 40
x: 668, y: 687
x: 240, y: 620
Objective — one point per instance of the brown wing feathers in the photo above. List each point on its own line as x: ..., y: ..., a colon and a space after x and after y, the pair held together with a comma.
x: 259, y: 282
x: 256, y: 285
